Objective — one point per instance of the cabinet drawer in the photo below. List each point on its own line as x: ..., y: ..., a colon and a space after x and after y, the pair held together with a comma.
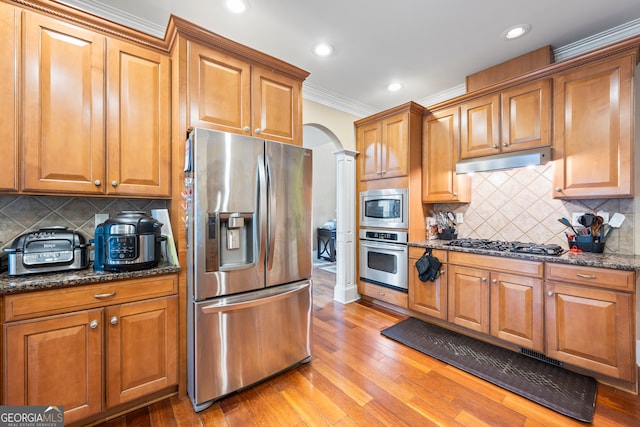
x: 415, y: 252
x: 384, y: 294
x: 36, y: 304
x: 507, y: 265
x: 593, y: 276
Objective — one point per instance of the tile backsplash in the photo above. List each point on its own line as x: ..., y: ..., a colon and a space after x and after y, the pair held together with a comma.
x: 19, y: 214
x: 516, y: 205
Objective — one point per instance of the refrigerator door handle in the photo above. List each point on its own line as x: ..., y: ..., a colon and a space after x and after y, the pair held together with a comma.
x: 242, y: 302
x: 272, y: 216
x: 262, y: 215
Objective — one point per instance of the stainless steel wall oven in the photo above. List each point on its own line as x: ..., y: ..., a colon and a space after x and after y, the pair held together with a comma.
x: 384, y: 258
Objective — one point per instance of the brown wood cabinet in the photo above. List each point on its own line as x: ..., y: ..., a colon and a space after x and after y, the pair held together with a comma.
x: 428, y: 297
x: 593, y: 117
x: 498, y: 297
x: 589, y: 318
x: 526, y: 116
x: 234, y: 95
x: 138, y: 125
x: 64, y: 98
x: 480, y: 127
x: 440, y: 144
x: 9, y: 93
x: 57, y: 354
x: 383, y: 293
x: 65, y: 148
x: 385, y: 140
x: 514, y: 119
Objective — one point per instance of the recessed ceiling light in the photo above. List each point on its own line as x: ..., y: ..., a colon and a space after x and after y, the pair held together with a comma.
x: 394, y: 87
x: 323, y: 49
x: 236, y: 6
x: 516, y: 31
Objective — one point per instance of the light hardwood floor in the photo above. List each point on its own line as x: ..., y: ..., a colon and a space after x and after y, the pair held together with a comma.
x: 357, y: 377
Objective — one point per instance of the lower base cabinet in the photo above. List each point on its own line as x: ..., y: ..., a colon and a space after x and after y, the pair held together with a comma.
x: 383, y: 293
x: 59, y: 359
x: 428, y: 297
x: 590, y: 320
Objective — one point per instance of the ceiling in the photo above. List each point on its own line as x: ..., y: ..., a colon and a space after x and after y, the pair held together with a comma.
x: 429, y: 46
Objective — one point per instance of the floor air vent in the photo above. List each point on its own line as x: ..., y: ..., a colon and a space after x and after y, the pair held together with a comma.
x: 540, y: 356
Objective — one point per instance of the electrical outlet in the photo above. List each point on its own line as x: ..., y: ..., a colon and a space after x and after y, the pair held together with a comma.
x: 604, y: 215
x: 459, y: 218
x: 99, y: 218
x: 574, y: 218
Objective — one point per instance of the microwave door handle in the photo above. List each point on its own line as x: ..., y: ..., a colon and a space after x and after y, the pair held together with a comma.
x: 383, y: 246
x: 262, y: 211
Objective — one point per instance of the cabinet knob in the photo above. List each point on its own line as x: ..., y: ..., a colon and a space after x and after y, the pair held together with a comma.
x: 381, y: 293
x: 114, y: 183
x: 114, y: 320
x: 454, y: 194
x: 549, y: 293
x: 443, y: 271
x: 504, y: 144
x: 483, y: 280
x: 97, y: 183
x: 495, y: 145
x: 258, y: 131
x: 245, y: 129
x: 93, y: 324
x: 558, y: 190
x: 494, y: 281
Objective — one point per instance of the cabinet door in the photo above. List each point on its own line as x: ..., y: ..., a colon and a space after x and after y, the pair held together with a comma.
x: 428, y: 297
x: 526, y: 116
x: 141, y: 349
x: 276, y: 105
x: 440, y: 144
x: 369, y: 138
x: 469, y: 298
x: 64, y: 144
x: 594, y: 115
x: 9, y: 91
x: 517, y: 310
x: 394, y: 151
x: 591, y: 328
x: 138, y: 137
x: 219, y: 91
x: 480, y: 127
x: 56, y: 360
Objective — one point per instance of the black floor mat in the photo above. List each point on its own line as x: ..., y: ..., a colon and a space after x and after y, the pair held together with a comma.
x: 566, y: 392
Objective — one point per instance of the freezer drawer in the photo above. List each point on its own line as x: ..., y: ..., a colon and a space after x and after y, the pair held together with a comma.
x: 243, y: 339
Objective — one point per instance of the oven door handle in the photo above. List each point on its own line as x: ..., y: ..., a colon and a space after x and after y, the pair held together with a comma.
x: 396, y: 248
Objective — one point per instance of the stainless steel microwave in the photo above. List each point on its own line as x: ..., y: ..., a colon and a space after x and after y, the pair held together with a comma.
x: 388, y: 208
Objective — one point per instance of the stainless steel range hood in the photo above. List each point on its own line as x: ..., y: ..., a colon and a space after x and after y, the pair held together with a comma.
x: 535, y: 157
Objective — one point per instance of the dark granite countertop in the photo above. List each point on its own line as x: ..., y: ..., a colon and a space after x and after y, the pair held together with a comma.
x: 617, y: 262
x: 40, y: 282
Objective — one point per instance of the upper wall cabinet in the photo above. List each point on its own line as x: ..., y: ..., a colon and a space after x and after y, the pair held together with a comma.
x: 9, y: 90
x: 514, y: 119
x: 64, y: 98
x: 71, y: 143
x: 440, y: 183
x: 138, y: 131
x: 385, y: 140
x: 229, y: 94
x: 594, y: 115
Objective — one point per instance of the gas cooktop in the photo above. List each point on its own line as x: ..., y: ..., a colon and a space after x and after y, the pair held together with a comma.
x: 498, y: 245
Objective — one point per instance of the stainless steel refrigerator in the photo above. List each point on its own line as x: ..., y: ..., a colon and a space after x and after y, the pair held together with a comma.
x: 248, y: 205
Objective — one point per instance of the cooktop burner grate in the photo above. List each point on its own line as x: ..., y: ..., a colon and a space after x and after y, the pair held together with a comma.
x: 503, y: 246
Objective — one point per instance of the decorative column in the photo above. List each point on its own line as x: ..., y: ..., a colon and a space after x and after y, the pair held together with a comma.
x: 346, y: 289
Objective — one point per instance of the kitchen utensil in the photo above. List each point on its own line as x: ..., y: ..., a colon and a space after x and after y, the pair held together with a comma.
x: 614, y: 222
x: 566, y: 222
x: 595, y: 228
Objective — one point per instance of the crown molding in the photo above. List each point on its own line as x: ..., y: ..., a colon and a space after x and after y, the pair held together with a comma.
x: 323, y: 96
x: 116, y: 15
